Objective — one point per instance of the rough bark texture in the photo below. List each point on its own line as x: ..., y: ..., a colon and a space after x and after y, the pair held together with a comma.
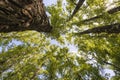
x: 113, y: 28
x: 21, y: 15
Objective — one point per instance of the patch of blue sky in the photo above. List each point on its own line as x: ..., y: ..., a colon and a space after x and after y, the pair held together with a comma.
x: 72, y: 48
x: 11, y: 44
x: 49, y: 2
x: 108, y: 73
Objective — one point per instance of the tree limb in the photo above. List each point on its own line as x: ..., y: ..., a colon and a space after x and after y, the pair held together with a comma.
x: 113, y: 28
x: 78, y: 5
x: 111, y: 11
x: 117, y: 67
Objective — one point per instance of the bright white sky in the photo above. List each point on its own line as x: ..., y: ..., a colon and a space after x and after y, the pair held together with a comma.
x: 49, y: 2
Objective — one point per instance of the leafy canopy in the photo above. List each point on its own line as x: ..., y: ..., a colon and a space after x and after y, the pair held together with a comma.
x: 31, y: 55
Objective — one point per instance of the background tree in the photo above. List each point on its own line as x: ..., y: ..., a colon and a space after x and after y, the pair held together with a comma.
x: 93, y: 29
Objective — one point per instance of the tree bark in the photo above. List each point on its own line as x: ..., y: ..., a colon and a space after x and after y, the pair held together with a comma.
x: 22, y: 15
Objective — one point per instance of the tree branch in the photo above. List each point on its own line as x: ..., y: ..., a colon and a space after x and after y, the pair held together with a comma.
x: 117, y: 67
x: 113, y: 28
x: 78, y: 5
x: 111, y: 11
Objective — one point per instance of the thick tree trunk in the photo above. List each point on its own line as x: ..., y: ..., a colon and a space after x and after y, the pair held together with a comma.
x: 21, y: 15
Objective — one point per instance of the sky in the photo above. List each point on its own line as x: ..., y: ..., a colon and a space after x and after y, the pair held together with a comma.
x: 72, y: 47
x: 49, y: 2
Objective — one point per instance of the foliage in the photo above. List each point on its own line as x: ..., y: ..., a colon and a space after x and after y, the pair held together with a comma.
x: 30, y: 55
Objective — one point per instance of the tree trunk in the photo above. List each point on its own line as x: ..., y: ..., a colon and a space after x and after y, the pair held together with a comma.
x: 22, y: 15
